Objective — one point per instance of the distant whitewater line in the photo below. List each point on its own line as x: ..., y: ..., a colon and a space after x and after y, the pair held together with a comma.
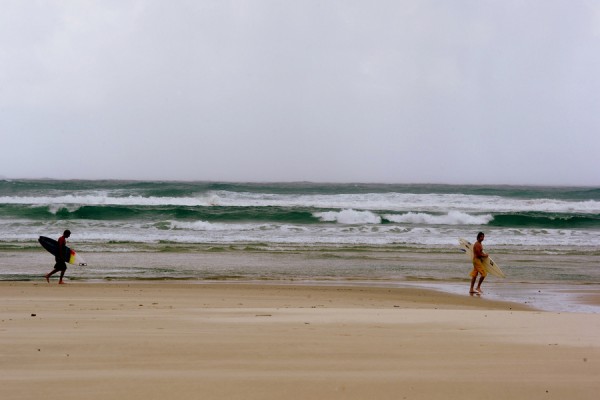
x: 373, y: 201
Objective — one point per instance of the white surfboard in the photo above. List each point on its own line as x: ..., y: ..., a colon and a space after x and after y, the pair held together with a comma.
x: 488, y: 264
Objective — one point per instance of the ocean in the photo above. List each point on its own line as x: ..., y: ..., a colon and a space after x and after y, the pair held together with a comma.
x: 385, y: 233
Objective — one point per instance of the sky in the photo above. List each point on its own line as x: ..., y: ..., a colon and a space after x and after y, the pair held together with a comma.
x: 400, y: 91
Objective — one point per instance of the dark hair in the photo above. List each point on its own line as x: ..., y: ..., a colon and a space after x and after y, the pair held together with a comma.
x: 480, y: 234
x: 67, y: 233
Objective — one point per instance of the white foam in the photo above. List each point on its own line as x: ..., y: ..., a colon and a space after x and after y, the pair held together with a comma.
x: 349, y: 216
x: 452, y: 218
x: 436, y: 203
x: 90, y: 200
x: 369, y: 234
x: 209, y: 226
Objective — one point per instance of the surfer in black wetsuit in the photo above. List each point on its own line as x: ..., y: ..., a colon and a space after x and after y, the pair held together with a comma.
x: 60, y: 265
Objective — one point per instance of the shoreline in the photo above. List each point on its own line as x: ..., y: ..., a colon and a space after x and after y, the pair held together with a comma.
x: 146, y: 340
x: 381, y: 295
x: 445, y: 272
x: 551, y: 297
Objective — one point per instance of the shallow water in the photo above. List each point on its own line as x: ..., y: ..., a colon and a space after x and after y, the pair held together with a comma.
x: 547, y: 282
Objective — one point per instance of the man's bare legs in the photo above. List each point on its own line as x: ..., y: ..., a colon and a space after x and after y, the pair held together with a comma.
x: 60, y: 280
x: 478, y: 290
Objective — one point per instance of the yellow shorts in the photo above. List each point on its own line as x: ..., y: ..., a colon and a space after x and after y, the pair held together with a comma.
x: 478, y: 268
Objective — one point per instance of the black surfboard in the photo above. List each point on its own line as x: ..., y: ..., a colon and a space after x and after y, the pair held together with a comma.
x: 52, y: 246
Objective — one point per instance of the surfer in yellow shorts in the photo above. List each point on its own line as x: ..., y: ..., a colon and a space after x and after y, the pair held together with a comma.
x: 478, y: 257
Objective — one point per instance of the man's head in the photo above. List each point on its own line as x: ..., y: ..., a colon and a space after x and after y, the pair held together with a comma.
x: 67, y: 233
x: 480, y: 236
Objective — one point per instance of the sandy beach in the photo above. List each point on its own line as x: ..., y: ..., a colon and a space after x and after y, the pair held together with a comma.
x: 132, y: 340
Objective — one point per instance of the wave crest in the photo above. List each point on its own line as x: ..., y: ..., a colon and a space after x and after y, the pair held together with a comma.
x: 349, y: 217
x: 452, y: 218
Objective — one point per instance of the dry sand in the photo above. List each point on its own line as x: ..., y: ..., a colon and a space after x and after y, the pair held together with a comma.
x: 255, y: 341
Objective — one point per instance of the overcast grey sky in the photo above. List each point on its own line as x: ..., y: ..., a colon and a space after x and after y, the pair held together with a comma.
x: 452, y: 91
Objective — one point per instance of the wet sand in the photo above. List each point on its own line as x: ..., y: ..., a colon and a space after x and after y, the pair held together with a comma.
x: 133, y: 340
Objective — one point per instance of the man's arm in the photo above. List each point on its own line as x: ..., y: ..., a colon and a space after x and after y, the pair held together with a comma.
x: 61, y: 249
